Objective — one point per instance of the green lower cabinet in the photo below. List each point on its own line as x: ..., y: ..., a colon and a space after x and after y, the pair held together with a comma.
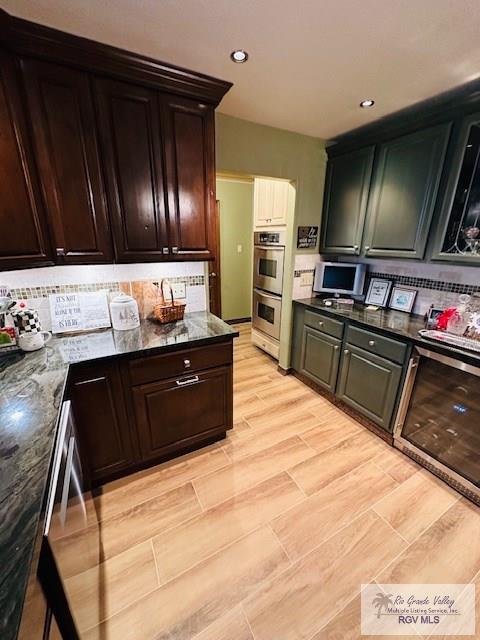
x: 320, y: 358
x: 369, y: 384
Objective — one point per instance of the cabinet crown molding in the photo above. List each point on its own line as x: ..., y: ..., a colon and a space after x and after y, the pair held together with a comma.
x: 30, y: 39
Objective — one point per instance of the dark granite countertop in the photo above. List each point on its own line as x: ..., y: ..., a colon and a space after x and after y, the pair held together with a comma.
x: 389, y: 321
x: 31, y: 392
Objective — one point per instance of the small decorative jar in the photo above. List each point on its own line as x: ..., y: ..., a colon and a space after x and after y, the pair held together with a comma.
x: 124, y: 312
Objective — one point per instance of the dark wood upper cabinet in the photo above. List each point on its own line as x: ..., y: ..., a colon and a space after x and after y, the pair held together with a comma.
x: 63, y: 121
x: 403, y: 193
x: 345, y: 201
x: 23, y: 237
x: 190, y: 162
x: 129, y: 120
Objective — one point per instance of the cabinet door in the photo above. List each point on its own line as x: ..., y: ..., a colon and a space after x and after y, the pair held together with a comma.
x: 132, y: 152
x: 271, y: 199
x: 190, y: 160
x: 61, y: 109
x: 320, y: 358
x: 403, y: 195
x: 457, y: 238
x: 23, y: 236
x: 262, y: 202
x: 369, y: 384
x: 174, y: 414
x: 345, y: 203
x: 105, y: 440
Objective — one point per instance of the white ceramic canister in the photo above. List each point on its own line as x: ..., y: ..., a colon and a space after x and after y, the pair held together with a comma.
x: 124, y: 312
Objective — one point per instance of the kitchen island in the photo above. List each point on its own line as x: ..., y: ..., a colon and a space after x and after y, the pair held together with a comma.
x: 32, y: 387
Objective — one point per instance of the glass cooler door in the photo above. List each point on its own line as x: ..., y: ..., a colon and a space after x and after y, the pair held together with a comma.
x: 443, y: 415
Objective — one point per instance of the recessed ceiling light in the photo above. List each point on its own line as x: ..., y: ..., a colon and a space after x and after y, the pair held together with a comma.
x: 367, y: 103
x: 239, y: 56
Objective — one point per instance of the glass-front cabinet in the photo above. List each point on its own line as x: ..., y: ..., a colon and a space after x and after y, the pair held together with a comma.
x: 458, y: 233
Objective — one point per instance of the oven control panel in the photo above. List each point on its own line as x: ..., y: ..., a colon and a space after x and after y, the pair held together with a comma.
x: 276, y: 238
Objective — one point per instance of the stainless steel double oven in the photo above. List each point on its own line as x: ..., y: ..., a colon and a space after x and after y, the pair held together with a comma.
x: 268, y: 266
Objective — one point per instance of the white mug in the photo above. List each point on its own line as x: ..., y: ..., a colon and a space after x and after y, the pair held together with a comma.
x: 33, y: 341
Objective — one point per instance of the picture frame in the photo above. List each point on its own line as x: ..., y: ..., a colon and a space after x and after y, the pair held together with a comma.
x: 432, y: 317
x: 378, y: 292
x: 402, y: 299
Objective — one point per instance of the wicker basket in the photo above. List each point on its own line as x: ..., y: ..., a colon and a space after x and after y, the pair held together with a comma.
x: 167, y: 311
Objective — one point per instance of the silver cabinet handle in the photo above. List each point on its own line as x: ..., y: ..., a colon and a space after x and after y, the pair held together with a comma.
x: 355, y: 246
x: 183, y: 383
x: 367, y: 248
x: 320, y: 323
x: 371, y: 343
x: 174, y: 249
x: 165, y: 251
x: 60, y: 251
x: 346, y: 352
x: 336, y: 347
x: 187, y: 363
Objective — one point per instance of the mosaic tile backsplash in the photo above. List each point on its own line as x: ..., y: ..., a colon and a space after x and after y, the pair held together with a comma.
x: 34, y: 286
x: 437, y: 284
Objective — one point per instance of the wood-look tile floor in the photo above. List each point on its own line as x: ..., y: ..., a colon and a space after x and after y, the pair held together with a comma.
x: 269, y: 534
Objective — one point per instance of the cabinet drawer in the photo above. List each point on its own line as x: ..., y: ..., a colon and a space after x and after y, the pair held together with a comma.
x: 323, y: 323
x: 152, y: 368
x: 375, y: 343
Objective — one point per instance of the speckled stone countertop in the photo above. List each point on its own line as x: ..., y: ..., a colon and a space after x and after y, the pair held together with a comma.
x: 31, y: 392
x: 390, y: 321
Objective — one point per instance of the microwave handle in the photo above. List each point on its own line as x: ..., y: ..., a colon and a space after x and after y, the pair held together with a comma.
x: 57, y: 460
x: 406, y: 394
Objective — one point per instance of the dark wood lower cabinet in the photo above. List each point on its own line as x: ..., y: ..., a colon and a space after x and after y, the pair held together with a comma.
x: 131, y: 412
x: 369, y: 384
x: 173, y: 414
x: 106, y: 440
x: 320, y: 358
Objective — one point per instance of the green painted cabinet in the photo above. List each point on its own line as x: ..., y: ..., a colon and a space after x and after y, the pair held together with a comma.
x: 320, y: 357
x: 403, y: 193
x: 345, y: 202
x: 457, y: 236
x: 369, y: 384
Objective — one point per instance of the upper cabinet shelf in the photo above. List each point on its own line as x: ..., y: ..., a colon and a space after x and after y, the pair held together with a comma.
x: 108, y: 155
x: 458, y: 233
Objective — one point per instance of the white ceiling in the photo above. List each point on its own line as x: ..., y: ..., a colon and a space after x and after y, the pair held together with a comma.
x: 311, y: 61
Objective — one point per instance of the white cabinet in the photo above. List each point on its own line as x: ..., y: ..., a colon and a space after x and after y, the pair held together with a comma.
x: 271, y: 202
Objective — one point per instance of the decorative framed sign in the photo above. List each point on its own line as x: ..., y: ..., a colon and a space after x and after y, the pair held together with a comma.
x: 402, y: 299
x: 378, y: 292
x: 307, y: 237
x: 81, y: 311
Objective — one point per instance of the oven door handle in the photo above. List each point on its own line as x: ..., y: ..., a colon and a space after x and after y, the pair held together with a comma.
x: 406, y: 394
x: 263, y: 294
x: 57, y: 461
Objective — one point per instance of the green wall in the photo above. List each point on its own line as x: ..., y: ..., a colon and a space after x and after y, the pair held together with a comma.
x: 236, y: 228
x: 247, y: 148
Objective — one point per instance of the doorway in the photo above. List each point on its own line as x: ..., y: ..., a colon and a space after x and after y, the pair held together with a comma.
x: 235, y: 230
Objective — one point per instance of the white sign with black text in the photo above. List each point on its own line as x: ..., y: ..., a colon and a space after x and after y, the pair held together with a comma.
x: 79, y: 311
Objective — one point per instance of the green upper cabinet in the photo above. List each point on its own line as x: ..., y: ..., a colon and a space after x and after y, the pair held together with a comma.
x: 345, y: 202
x: 457, y: 237
x: 403, y: 193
